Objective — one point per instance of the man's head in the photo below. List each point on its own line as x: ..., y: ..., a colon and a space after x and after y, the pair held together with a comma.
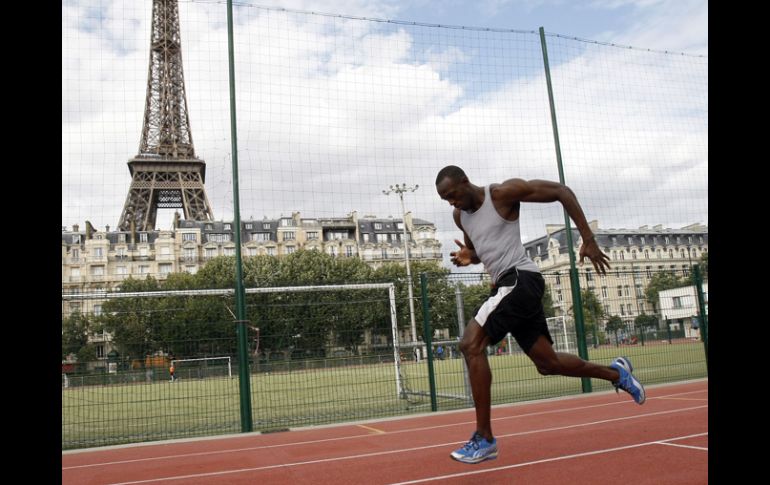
x: 453, y: 186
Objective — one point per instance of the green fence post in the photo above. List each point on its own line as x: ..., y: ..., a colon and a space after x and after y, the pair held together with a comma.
x: 702, y: 312
x: 577, y: 302
x: 426, y: 335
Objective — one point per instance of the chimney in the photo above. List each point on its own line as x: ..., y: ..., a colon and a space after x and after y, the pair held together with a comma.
x: 75, y: 228
x: 107, y: 228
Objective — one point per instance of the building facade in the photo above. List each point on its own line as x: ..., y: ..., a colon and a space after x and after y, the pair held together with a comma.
x: 635, y: 256
x: 93, y: 260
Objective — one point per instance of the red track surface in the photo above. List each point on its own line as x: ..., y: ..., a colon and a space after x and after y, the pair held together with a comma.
x: 589, y: 439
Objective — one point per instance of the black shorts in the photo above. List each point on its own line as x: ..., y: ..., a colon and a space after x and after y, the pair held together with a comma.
x: 516, y: 306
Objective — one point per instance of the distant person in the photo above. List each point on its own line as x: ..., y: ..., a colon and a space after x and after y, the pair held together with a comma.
x: 488, y: 216
x: 171, y: 372
x: 440, y: 352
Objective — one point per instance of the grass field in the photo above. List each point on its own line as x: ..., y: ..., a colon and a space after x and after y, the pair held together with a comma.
x: 126, y: 413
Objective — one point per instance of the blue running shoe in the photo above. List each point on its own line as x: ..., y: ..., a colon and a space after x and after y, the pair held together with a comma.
x: 627, y: 381
x: 476, y: 450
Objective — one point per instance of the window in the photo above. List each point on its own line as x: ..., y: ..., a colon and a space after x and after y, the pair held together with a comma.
x: 190, y: 236
x: 382, y: 238
x: 191, y: 269
x: 252, y: 251
x: 671, y: 253
x: 97, y: 310
x: 400, y: 225
x: 265, y: 225
x: 144, y: 269
x: 121, y: 238
x: 75, y: 253
x: 657, y: 253
x: 641, y: 240
x: 336, y: 235
x: 366, y: 237
x: 700, y: 239
x: 630, y: 241
x: 558, y: 280
x: 289, y: 235
x: 98, y: 252
x: 100, y: 351
x: 75, y: 272
x: 620, y: 290
x: 220, y: 238
x: 648, y: 269
x: 666, y: 240
x: 677, y: 300
x: 229, y: 251
x: 290, y: 249
x: 249, y: 225
x: 209, y: 227
x: 646, y: 254
x: 348, y: 251
x: 143, y: 237
x: 622, y: 256
x: 559, y: 296
x: 312, y: 235
x: 271, y: 251
x: 75, y: 307
x: 260, y: 236
x: 622, y: 312
x: 641, y: 306
x: 333, y: 250
x: 614, y: 240
x: 97, y: 270
x: 211, y: 252
x: 681, y: 254
x: 286, y: 222
x: 639, y: 292
x: 627, y: 290
x: 76, y: 239
x: 685, y: 270
x: 121, y: 270
x: 120, y: 253
x: 529, y: 255
x: 189, y: 253
x: 228, y: 227
x: 164, y: 268
x: 539, y: 249
x: 604, y: 292
x: 143, y: 251
x: 377, y: 226
x: 633, y: 254
x: 589, y: 275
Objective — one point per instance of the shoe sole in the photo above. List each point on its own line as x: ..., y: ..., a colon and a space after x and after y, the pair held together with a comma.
x: 473, y: 461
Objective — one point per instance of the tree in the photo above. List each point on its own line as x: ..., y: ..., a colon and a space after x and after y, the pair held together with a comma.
x: 74, y: 334
x: 614, y: 324
x: 665, y: 280
x: 704, y: 264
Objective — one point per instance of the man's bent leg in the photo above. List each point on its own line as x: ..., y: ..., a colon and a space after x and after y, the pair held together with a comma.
x: 474, y: 348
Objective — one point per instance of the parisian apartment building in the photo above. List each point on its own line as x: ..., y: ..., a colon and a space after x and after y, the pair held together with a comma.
x: 635, y: 255
x: 94, y: 260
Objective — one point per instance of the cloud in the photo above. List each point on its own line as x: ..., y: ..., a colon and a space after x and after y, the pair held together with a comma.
x: 333, y: 110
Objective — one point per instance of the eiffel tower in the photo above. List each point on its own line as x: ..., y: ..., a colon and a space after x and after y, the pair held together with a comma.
x: 165, y: 173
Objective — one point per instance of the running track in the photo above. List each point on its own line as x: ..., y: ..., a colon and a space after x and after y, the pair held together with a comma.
x: 587, y: 439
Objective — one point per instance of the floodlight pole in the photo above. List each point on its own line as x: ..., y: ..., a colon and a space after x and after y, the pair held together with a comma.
x: 400, y: 189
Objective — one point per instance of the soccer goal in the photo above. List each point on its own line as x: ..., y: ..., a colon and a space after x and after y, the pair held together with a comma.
x: 563, y: 334
x: 204, y: 367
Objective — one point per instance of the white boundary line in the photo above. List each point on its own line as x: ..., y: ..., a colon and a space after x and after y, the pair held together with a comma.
x: 341, y: 438
x: 390, y: 452
x: 545, y: 460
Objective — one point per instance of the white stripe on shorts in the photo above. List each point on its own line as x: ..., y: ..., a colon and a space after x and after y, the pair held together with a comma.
x: 489, y: 306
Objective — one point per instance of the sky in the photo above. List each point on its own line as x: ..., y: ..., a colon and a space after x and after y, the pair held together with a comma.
x: 334, y: 108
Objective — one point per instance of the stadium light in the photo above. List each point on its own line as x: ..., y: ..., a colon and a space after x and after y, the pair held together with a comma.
x: 400, y: 189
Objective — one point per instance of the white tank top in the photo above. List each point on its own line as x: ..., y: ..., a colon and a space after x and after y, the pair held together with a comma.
x: 497, y: 241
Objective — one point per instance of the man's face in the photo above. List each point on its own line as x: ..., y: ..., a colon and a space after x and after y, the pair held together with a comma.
x: 455, y: 192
